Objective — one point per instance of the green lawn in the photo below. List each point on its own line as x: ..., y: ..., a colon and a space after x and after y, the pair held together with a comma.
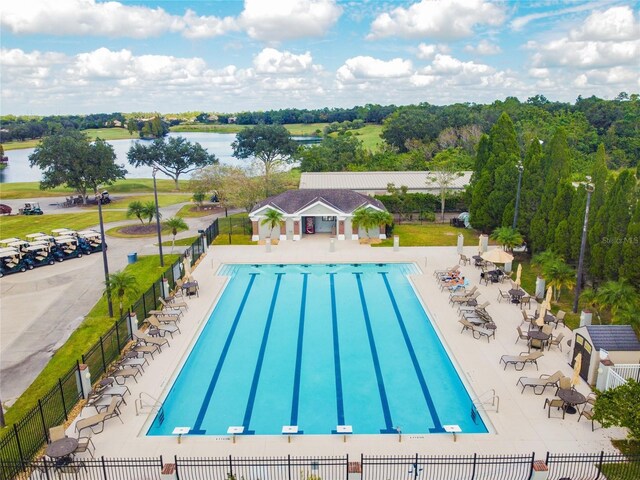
x: 103, y: 133
x: 369, y: 135
x: 430, y: 235
x: 240, y: 228
x: 132, y: 185
x: 21, y: 225
x: 164, y: 200
x: 236, y: 239
x: 97, y: 323
x: 186, y: 212
x: 182, y: 242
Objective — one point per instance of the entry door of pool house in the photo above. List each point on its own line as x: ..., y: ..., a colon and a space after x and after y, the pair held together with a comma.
x: 319, y: 218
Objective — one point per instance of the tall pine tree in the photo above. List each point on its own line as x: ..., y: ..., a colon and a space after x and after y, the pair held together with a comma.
x: 556, y: 170
x: 597, y: 226
x: 576, y: 224
x: 618, y: 207
x: 532, y: 187
x: 630, y: 267
x: 480, y: 186
x: 559, y: 212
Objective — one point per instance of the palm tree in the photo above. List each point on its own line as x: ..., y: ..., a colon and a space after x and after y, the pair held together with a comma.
x: 507, y: 237
x: 363, y: 217
x: 123, y: 285
x: 620, y: 298
x: 381, y: 218
x: 559, y: 275
x: 149, y: 211
x: 136, y: 209
x: 175, y: 224
x: 272, y: 218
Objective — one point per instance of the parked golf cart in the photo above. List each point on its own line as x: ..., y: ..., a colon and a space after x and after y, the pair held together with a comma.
x: 49, y: 243
x: 32, y: 208
x: 7, y: 241
x: 69, y: 247
x: 11, y: 262
x: 63, y: 232
x: 39, y: 254
x: 103, y: 198
x: 90, y: 241
x: 20, y: 245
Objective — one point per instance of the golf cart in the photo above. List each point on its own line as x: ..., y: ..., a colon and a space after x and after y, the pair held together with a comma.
x: 90, y: 241
x: 7, y: 241
x: 12, y: 261
x: 31, y: 208
x: 68, y: 247
x: 63, y: 232
x: 20, y: 245
x: 39, y: 254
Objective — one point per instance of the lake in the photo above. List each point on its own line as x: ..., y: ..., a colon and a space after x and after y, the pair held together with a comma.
x: 219, y: 144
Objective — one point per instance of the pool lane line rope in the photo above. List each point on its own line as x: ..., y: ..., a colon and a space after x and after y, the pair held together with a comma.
x: 336, y: 352
x: 296, y: 380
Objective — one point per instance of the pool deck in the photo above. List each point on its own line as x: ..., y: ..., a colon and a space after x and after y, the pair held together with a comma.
x: 520, y: 426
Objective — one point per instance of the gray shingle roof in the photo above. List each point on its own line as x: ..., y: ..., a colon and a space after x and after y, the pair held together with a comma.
x: 293, y: 201
x: 614, y: 337
x: 377, y: 180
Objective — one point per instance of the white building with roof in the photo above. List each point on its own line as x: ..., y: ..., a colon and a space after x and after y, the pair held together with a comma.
x: 375, y: 183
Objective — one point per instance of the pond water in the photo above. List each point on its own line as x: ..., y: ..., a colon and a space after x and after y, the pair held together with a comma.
x: 219, y: 144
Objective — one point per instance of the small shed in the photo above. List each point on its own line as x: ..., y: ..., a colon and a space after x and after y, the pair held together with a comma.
x: 619, y: 341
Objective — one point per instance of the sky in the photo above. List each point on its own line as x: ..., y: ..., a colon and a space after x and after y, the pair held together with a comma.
x: 89, y: 56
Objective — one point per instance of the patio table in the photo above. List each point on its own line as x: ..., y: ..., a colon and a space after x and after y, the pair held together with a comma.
x: 538, y: 335
x: 572, y: 398
x: 62, y: 448
x: 516, y: 294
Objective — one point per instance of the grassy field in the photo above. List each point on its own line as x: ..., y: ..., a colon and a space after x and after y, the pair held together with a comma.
x: 103, y: 133
x: 182, y: 242
x: 198, y: 127
x: 164, y: 200
x: 133, y: 185
x: 147, y: 270
x: 186, y: 212
x: 20, y: 225
x: 430, y: 235
x: 369, y: 135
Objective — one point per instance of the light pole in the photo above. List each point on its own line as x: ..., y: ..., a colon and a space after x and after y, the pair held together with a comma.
x: 105, y: 262
x: 515, y: 213
x: 155, y: 195
x: 590, y: 188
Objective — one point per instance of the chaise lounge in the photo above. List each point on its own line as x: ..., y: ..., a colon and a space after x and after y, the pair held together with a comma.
x: 543, y: 382
x: 521, y: 360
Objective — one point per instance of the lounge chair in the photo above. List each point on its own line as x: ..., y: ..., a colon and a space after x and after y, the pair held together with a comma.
x: 124, y: 373
x: 543, y: 382
x: 165, y: 318
x: 521, y: 360
x: 477, y: 308
x: 100, y: 418
x: 133, y: 361
x: 167, y: 311
x: 477, y: 331
x: 439, y: 273
x: 163, y: 327
x: 147, y: 340
x: 557, y: 403
x: 464, y: 298
x: 173, y: 304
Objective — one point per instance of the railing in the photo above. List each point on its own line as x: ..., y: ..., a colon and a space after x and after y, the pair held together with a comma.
x: 22, y: 441
x: 139, y: 403
x: 628, y: 371
x: 614, y: 380
x: 482, y: 404
x: 590, y: 466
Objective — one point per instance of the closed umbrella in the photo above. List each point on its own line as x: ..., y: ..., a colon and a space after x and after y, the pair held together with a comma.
x: 187, y: 267
x: 519, y: 274
x: 547, y: 299
x: 480, y: 245
x: 577, y: 366
x: 497, y: 255
x: 540, y: 319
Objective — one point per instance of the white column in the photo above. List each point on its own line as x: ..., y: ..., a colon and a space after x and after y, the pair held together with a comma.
x: 460, y: 243
x: 84, y: 379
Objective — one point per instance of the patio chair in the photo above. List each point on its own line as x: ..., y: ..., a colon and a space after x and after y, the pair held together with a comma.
x: 167, y: 311
x: 438, y: 273
x: 479, y: 332
x: 56, y: 433
x: 564, y: 383
x: 505, y: 276
x: 162, y: 327
x: 464, y: 260
x: 133, y: 361
x: 147, y: 340
x: 71, y: 469
x: 477, y: 308
x: 124, y: 373
x: 503, y: 295
x: 557, y: 341
x: 100, y: 418
x: 521, y: 335
x: 83, y: 446
x: 587, y: 412
x: 543, y: 381
x: 464, y: 298
x: 173, y: 304
x: 560, y: 317
x: 526, y: 300
x: 521, y: 360
x: 555, y: 403
x: 526, y: 318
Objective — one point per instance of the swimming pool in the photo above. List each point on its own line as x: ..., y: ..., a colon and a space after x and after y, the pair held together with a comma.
x: 317, y: 346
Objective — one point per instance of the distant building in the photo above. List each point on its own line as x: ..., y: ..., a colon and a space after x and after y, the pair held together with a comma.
x: 309, y: 212
x: 375, y: 183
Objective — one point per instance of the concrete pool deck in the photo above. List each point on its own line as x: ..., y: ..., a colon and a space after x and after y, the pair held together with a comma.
x: 520, y: 426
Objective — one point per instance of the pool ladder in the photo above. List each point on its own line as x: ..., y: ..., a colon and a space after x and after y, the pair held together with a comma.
x: 142, y: 406
x: 486, y: 402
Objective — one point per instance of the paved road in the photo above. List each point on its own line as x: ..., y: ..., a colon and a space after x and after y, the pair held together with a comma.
x: 42, y: 307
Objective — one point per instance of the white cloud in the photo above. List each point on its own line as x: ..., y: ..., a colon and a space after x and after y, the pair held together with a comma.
x: 288, y: 19
x: 206, y: 27
x: 617, y: 23
x: 367, y: 68
x: 271, y: 60
x: 539, y: 72
x: 85, y: 17
x: 444, y: 19
x: 427, y: 52
x: 484, y: 48
x: 519, y: 23
x: 448, y: 70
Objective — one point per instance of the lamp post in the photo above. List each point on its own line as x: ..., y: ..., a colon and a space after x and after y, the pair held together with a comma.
x: 590, y: 188
x: 105, y: 262
x: 155, y: 195
x: 515, y: 213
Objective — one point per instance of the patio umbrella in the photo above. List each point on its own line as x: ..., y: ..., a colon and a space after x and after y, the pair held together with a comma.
x: 480, y: 245
x: 547, y: 299
x: 519, y: 274
x: 187, y: 267
x: 540, y: 319
x: 497, y: 255
x: 577, y: 366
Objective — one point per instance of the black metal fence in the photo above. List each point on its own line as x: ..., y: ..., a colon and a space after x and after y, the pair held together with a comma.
x: 597, y: 466
x: 22, y: 441
x: 229, y: 226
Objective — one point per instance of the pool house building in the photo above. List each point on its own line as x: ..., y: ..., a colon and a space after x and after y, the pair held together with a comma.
x: 315, y: 211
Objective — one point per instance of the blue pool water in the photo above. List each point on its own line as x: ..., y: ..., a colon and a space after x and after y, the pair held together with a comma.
x: 318, y: 346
